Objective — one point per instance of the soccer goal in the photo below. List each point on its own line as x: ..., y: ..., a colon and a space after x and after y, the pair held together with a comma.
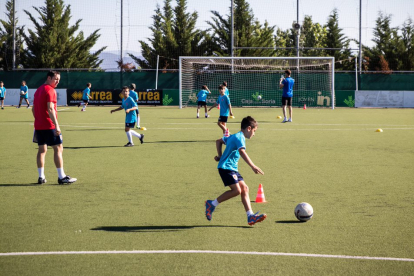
x: 250, y: 77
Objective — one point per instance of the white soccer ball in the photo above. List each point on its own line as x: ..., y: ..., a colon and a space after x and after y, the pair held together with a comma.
x: 259, y: 97
x: 21, y: 92
x: 304, y: 211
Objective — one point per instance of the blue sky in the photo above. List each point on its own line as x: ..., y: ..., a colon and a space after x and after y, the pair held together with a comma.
x: 106, y: 16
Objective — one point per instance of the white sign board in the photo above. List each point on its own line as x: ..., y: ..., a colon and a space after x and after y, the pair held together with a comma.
x: 13, y: 97
x: 364, y: 98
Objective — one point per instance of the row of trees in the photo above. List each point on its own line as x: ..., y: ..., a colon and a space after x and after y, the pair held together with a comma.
x: 55, y: 44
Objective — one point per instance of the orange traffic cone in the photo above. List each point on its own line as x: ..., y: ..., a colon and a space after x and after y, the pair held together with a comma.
x: 260, y: 198
x: 304, y: 106
x: 218, y: 106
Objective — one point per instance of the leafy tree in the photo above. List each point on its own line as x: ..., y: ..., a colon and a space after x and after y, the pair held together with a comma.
x: 174, y: 35
x: 312, y: 35
x: 285, y: 39
x: 54, y: 44
x: 6, y: 40
x: 407, y: 45
x: 248, y: 32
x: 387, y: 43
x: 336, y: 39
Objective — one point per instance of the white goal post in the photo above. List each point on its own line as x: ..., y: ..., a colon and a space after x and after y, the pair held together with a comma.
x: 249, y: 77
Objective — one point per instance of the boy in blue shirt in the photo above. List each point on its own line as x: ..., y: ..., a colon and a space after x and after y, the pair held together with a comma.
x: 24, y: 94
x: 225, y: 109
x: 201, y: 98
x: 86, y: 97
x: 228, y: 170
x: 2, y: 94
x: 129, y: 105
x: 134, y: 96
x: 226, y: 89
x: 287, y: 85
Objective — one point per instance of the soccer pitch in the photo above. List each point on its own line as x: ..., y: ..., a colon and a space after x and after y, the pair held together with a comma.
x: 140, y: 210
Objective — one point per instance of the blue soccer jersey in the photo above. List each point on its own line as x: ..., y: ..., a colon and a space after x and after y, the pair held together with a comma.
x: 25, y: 89
x: 133, y: 95
x: 288, y: 87
x: 224, y: 102
x: 226, y: 92
x: 202, y: 95
x: 230, y: 158
x: 2, y: 92
x: 128, y: 103
x: 85, y: 95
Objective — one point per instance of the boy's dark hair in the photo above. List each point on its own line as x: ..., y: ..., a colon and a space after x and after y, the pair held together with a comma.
x: 225, y: 83
x: 1, y: 82
x: 221, y: 87
x: 132, y: 86
x: 51, y: 74
x: 125, y: 87
x: 204, y: 87
x: 88, y: 84
x: 288, y: 72
x: 248, y: 122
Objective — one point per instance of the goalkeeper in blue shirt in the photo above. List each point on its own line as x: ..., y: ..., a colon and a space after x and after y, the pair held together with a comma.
x: 202, y: 98
x: 228, y: 170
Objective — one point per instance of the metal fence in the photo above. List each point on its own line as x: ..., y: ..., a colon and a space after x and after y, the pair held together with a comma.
x: 122, y: 24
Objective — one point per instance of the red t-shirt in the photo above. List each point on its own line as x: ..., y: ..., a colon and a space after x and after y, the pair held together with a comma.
x: 42, y: 96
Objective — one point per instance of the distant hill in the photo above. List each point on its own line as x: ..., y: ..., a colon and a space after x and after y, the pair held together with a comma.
x: 109, y: 60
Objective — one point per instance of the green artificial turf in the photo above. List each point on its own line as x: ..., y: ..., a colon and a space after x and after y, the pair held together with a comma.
x: 151, y: 196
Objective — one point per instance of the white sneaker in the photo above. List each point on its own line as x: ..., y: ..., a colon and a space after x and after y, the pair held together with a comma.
x: 290, y: 120
x: 284, y: 120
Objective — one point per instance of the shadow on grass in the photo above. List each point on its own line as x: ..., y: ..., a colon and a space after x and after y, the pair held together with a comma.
x: 163, y: 228
x: 93, y: 147
x: 95, y: 129
x: 290, y: 221
x: 192, y: 141
x: 20, y: 185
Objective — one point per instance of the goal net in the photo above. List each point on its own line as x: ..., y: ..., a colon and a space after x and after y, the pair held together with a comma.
x: 249, y: 77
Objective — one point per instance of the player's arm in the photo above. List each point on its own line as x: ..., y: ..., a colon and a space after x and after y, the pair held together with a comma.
x: 219, y: 147
x: 208, y: 89
x: 130, y: 109
x: 280, y: 83
x: 116, y: 109
x: 52, y: 116
x: 231, y: 110
x: 249, y: 162
x: 214, y: 105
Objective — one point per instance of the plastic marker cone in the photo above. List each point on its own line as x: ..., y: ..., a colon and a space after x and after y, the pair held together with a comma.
x: 218, y: 106
x: 304, y: 106
x: 232, y: 117
x: 379, y: 130
x: 143, y: 128
x: 260, y: 198
x: 279, y: 117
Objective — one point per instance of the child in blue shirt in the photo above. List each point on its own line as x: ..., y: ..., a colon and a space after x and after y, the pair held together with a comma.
x: 286, y: 84
x: 2, y: 94
x: 225, y: 109
x: 228, y: 170
x: 202, y: 98
x: 86, y: 97
x: 24, y: 94
x: 129, y: 105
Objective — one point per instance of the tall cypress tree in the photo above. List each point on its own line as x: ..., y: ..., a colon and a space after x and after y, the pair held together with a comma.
x: 6, y: 40
x: 248, y: 32
x: 173, y: 35
x: 55, y: 44
x: 336, y: 39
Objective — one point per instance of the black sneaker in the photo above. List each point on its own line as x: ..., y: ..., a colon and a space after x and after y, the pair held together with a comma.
x: 129, y: 145
x: 41, y: 180
x: 67, y: 180
x: 142, y: 138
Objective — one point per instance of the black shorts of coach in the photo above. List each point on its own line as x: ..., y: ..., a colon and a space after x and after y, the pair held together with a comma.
x: 47, y: 137
x: 201, y: 103
x: 287, y: 101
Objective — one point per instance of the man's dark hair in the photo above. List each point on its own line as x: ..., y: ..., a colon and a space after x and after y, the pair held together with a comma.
x: 204, y: 87
x: 52, y: 73
x: 225, y: 83
x: 88, y: 84
x: 288, y: 72
x: 221, y: 87
x: 248, y: 122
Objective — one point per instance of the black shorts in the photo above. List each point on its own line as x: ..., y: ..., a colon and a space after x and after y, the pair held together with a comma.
x: 85, y: 101
x: 287, y: 101
x: 47, y: 137
x: 230, y: 177
x: 130, y: 125
x: 223, y: 119
x: 1, y: 98
x: 201, y: 103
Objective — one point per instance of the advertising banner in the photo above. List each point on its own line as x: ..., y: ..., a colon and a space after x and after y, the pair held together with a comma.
x: 13, y: 97
x: 384, y: 98
x: 114, y: 97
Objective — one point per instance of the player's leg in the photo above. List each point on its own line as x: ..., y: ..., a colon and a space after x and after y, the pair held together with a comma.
x: 63, y: 179
x: 198, y: 111
x: 2, y: 104
x: 20, y: 102
x: 40, y: 160
x: 139, y: 136
x: 27, y: 101
x: 138, y: 120
x: 284, y: 114
x: 290, y: 110
x: 129, y: 135
x: 206, y: 111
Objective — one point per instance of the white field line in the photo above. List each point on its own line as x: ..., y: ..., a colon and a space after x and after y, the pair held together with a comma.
x: 206, y: 252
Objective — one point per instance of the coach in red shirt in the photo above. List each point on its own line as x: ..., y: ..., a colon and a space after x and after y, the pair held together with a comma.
x: 47, y: 130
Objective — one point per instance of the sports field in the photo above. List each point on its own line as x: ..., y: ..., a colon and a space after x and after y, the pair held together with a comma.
x: 140, y: 210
